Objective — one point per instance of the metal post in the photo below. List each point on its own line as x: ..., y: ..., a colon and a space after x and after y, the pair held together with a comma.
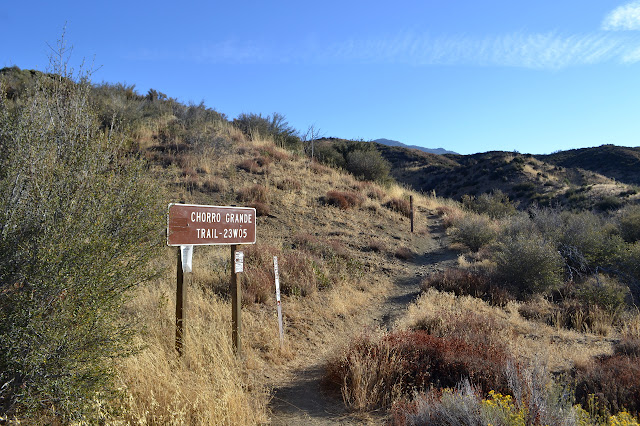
x: 236, y: 301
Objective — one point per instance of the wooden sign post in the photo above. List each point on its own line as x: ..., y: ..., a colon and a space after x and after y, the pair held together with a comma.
x: 192, y: 225
x: 411, y: 211
x: 179, y: 303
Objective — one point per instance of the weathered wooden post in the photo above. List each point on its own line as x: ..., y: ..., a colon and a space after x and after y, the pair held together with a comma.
x: 179, y: 303
x: 411, y: 209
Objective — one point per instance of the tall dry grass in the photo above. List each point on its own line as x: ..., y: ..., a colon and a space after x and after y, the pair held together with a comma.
x: 208, y: 385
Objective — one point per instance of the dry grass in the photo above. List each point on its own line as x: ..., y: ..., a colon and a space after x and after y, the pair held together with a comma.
x: 208, y: 385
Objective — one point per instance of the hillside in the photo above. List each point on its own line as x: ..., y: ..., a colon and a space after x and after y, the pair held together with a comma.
x: 481, y: 306
x: 616, y: 162
x: 524, y: 178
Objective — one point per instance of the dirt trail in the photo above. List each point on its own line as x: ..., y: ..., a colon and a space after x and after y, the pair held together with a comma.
x: 302, y: 399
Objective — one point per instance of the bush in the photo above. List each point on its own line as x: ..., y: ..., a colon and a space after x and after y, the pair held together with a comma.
x: 463, y: 282
x: 528, y: 264
x: 602, y: 291
x: 589, y: 242
x: 79, y: 225
x: 344, y: 200
x: 404, y: 253
x: 399, y: 205
x: 630, y: 224
x: 368, y: 165
x: 495, y: 205
x: 474, y: 231
x: 611, y: 383
x: 374, y: 373
x: 255, y: 193
x: 272, y: 126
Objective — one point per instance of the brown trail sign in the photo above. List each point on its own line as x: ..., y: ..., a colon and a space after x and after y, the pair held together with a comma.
x: 193, y: 224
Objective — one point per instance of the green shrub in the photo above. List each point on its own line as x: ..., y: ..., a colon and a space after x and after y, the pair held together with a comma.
x: 529, y: 264
x: 589, y: 242
x: 602, y: 291
x: 629, y: 223
x: 474, y: 231
x: 608, y: 203
x: 326, y: 153
x: 79, y: 224
x: 368, y: 165
x: 496, y: 204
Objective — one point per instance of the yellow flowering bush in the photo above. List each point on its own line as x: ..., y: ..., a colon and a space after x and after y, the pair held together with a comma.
x: 503, y: 409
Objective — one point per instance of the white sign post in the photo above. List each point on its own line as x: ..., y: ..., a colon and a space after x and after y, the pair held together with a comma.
x: 277, y: 276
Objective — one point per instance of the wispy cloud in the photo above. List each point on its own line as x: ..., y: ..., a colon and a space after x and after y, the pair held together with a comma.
x: 625, y: 17
x: 551, y: 50
x: 535, y: 51
x: 544, y: 50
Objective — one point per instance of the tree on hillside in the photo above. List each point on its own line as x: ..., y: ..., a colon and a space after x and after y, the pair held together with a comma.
x: 78, y: 225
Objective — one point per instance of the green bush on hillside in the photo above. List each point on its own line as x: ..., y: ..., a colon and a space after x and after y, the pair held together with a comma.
x: 474, y: 231
x: 630, y: 223
x: 368, y: 165
x: 78, y: 226
x: 361, y: 159
x: 529, y: 264
x: 496, y: 204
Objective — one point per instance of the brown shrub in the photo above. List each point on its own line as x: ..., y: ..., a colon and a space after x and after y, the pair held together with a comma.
x: 289, y: 184
x: 376, y: 245
x: 258, y: 285
x: 612, y: 383
x: 374, y: 373
x: 344, y: 200
x: 450, y: 215
x: 298, y: 275
x: 320, y: 249
x: 274, y: 153
x: 250, y: 166
x: 319, y: 169
x: 253, y: 193
x: 464, y: 282
x: 399, y: 205
x: 215, y: 184
x: 189, y: 171
x: 404, y: 253
x: 262, y: 209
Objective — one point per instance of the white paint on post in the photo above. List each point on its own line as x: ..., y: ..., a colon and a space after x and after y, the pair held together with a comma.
x: 277, y: 276
x: 239, y: 261
x: 187, y: 257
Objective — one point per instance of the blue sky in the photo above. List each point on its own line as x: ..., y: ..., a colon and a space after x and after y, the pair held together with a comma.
x: 468, y: 76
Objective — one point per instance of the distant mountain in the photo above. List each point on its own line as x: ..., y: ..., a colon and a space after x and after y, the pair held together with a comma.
x: 390, y: 142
